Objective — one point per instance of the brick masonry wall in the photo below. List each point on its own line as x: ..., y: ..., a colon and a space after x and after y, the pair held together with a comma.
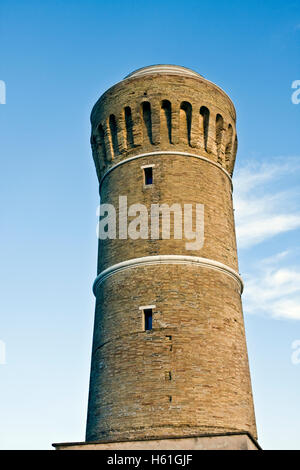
x: 190, y: 373
x: 177, y: 179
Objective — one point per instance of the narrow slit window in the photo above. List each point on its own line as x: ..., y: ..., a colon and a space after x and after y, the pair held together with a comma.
x: 148, y: 318
x: 148, y: 175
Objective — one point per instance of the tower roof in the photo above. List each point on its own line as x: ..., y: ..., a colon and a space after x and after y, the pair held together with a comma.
x: 163, y: 68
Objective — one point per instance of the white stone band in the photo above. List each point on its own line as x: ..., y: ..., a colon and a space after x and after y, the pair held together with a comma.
x: 168, y: 259
x: 165, y: 152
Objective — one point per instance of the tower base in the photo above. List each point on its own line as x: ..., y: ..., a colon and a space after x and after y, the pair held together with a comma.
x: 226, y: 441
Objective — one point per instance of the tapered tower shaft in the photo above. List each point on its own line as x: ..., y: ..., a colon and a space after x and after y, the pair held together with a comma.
x: 169, y: 352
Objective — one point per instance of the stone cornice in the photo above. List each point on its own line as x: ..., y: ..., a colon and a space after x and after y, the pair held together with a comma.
x: 168, y: 259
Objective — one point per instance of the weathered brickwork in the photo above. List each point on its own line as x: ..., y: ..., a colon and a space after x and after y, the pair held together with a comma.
x: 189, y: 374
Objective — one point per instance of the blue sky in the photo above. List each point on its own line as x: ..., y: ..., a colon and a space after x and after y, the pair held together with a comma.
x: 57, y: 58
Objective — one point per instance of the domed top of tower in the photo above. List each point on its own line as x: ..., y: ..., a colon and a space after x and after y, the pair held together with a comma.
x: 163, y: 68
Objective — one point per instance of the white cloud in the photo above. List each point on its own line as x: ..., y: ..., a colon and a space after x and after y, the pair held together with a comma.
x: 259, y: 229
x: 261, y: 209
x: 264, y: 208
x: 275, y: 258
x: 274, y: 290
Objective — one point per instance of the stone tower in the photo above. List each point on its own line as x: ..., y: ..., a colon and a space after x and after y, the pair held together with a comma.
x: 169, y: 358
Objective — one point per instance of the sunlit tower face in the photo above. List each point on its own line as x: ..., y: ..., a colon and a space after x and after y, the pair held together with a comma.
x: 169, y: 352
